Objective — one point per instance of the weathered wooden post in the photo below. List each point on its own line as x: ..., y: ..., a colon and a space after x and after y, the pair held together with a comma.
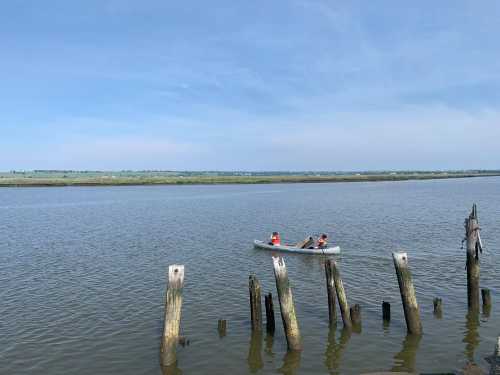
x: 255, y: 303
x: 410, y: 305
x: 221, y: 328
x: 287, y: 307
x: 330, y: 289
x: 486, y: 296
x: 339, y: 287
x: 495, y: 359
x: 355, y: 312
x: 474, y: 246
x: 386, y: 311
x: 270, y: 322
x: 438, y: 311
x: 171, y: 325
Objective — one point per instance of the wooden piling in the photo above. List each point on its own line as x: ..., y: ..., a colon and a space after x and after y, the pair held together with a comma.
x: 255, y: 303
x: 330, y: 289
x: 486, y: 296
x: 341, y: 296
x: 287, y: 307
x: 221, y: 327
x: 386, y: 311
x: 173, y: 304
x: 270, y: 322
x: 410, y: 305
x: 355, y: 312
x: 474, y: 246
x: 438, y: 310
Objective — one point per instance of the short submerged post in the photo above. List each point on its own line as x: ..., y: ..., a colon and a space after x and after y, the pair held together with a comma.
x: 355, y: 312
x: 474, y: 246
x: 485, y: 294
x: 270, y: 323
x: 287, y: 307
x: 171, y: 325
x: 438, y: 310
x: 330, y: 289
x: 386, y: 311
x: 341, y: 296
x: 255, y: 303
x: 221, y: 327
x: 410, y: 305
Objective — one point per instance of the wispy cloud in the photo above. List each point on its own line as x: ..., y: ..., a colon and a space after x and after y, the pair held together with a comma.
x: 234, y: 86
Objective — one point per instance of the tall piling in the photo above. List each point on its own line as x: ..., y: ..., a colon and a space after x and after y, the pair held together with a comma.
x: 341, y: 296
x: 171, y: 325
x: 410, y: 305
x: 287, y: 307
x: 255, y: 303
x: 330, y: 289
x: 474, y: 246
x: 270, y: 322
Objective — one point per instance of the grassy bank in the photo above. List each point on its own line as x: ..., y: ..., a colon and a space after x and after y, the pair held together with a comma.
x: 21, y: 179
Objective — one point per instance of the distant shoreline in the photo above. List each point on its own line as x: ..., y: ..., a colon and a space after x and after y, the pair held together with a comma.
x: 30, y: 181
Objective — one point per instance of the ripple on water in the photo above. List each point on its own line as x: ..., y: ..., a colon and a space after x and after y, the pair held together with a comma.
x: 83, y: 272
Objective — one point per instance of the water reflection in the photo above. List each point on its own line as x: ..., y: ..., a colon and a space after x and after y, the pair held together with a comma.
x: 333, y: 353
x: 171, y: 370
x: 404, y: 361
x: 471, y: 338
x: 486, y: 311
x: 255, y: 362
x: 291, y: 363
x: 269, y: 345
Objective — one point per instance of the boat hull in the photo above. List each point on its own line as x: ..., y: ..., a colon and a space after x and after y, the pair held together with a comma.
x: 291, y: 249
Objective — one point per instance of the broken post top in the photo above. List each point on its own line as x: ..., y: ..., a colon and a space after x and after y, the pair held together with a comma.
x: 471, y: 223
x: 473, y: 214
x: 472, y: 233
x: 252, y: 279
x: 278, y: 262
x: 401, y: 258
x: 175, y: 276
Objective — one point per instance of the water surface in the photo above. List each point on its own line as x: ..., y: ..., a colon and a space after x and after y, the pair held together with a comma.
x: 83, y: 274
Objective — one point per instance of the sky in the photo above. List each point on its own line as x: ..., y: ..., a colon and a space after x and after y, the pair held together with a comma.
x: 249, y: 85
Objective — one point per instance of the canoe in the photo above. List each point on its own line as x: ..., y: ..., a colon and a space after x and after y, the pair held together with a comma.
x: 292, y: 249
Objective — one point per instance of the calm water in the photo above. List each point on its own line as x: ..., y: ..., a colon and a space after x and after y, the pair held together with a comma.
x: 83, y: 274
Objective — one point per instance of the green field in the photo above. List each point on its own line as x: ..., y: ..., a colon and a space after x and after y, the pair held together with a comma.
x: 102, y: 178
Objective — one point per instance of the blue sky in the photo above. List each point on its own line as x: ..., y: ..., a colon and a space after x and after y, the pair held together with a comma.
x: 249, y: 85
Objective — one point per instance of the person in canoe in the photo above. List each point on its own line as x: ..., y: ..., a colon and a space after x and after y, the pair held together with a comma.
x: 275, y: 239
x: 323, y: 241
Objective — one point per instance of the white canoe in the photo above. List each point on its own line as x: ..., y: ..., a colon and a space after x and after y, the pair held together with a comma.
x: 292, y: 249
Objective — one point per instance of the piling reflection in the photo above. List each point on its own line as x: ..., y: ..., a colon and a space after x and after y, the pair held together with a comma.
x: 486, y: 311
x: 333, y: 353
x: 269, y: 340
x: 171, y: 370
x: 255, y: 362
x: 471, y: 338
x: 291, y: 363
x: 405, y: 360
